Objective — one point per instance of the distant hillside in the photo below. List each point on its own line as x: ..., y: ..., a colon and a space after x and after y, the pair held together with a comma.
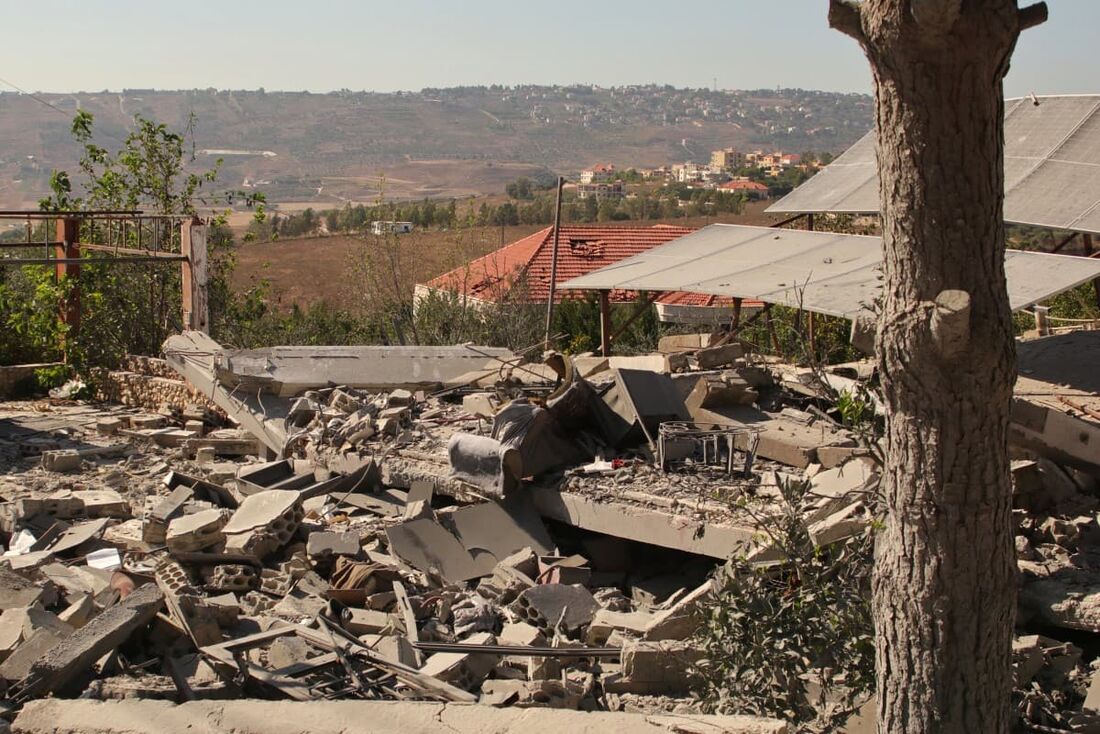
x: 327, y: 148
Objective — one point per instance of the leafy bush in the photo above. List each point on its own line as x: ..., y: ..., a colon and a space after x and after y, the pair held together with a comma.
x: 47, y: 378
x: 793, y: 640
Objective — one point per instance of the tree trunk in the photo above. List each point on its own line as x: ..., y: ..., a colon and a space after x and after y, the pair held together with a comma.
x: 944, y: 584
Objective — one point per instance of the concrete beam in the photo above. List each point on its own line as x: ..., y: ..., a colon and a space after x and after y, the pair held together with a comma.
x: 645, y: 525
x: 76, y: 654
x: 134, y: 716
x: 288, y: 371
x: 1055, y: 434
x: 192, y: 355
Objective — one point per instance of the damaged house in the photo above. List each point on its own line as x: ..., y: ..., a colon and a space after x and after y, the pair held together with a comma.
x: 227, y: 535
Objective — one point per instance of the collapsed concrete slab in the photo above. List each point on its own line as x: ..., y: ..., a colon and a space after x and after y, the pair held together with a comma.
x: 288, y: 371
x: 645, y: 525
x: 1050, y: 431
x: 133, y: 716
x: 639, y: 401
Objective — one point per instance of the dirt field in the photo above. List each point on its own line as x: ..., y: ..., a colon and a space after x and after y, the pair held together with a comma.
x: 312, y: 269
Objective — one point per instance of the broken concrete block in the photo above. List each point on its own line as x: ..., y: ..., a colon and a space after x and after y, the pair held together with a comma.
x: 145, y: 422
x: 108, y: 426
x: 63, y: 505
x: 416, y: 509
x: 521, y: 633
x: 1092, y: 697
x: 526, y: 561
x: 640, y: 363
x: 836, y: 488
x: 205, y: 455
x: 63, y: 460
x: 504, y: 585
x: 425, y: 544
x: 77, y: 614
x: 324, y: 545
x: 100, y: 503
x: 550, y: 605
x: 713, y: 357
x: 606, y: 621
x: 678, y: 363
x: 17, y: 592
x: 62, y: 662
x: 400, y: 398
x: 173, y: 578
x: 564, y: 570
x: 586, y: 366
x: 715, y: 392
x: 790, y: 441
x: 833, y: 456
x: 479, y: 404
x: 229, y: 577
x: 463, y: 669
x: 161, y: 512
x: 399, y: 416
x: 655, y: 667
x: 842, y: 524
x: 191, y: 533
x: 264, y: 522
x: 369, y: 622
x: 674, y: 343
x: 679, y: 621
x: 196, y: 428
x: 11, y: 631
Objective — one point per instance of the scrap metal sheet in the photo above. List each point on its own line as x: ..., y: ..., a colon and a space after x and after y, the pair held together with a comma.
x: 1052, y: 168
x: 824, y: 272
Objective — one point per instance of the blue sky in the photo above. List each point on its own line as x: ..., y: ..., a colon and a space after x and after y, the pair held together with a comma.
x: 90, y: 45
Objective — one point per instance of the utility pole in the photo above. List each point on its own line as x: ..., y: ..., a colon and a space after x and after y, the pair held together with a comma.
x: 553, y: 265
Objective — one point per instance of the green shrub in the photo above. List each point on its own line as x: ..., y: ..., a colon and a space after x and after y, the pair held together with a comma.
x: 770, y: 631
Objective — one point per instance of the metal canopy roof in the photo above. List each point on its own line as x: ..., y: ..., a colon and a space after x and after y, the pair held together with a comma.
x: 825, y: 272
x: 1052, y: 168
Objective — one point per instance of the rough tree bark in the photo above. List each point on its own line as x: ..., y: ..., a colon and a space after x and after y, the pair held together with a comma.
x: 944, y: 593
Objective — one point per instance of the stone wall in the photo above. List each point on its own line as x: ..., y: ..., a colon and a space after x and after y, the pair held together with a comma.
x: 149, y: 383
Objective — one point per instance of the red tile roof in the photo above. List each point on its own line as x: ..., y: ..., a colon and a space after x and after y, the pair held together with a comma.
x: 742, y: 186
x: 581, y: 250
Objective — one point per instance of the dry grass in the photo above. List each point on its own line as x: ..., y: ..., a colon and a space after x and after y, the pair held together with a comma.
x: 311, y: 269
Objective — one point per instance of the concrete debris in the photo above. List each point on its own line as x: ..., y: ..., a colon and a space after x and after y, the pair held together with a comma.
x: 264, y: 523
x: 655, y: 667
x: 458, y: 525
x: 196, y: 532
x: 72, y: 657
x: 556, y: 608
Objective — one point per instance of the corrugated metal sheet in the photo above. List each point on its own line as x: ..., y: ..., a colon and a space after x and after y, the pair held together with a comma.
x: 825, y: 272
x: 1052, y: 168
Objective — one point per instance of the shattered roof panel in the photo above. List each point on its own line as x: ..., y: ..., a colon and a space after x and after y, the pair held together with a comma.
x: 1052, y: 168
x: 825, y: 272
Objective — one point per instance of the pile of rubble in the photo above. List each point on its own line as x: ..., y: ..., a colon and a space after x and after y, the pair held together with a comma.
x: 453, y: 525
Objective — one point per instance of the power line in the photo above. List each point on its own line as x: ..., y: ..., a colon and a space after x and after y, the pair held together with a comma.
x: 34, y: 97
